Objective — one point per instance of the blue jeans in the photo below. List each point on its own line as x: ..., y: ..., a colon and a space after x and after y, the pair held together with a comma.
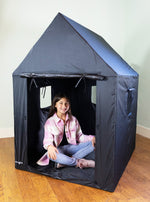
x: 68, y: 154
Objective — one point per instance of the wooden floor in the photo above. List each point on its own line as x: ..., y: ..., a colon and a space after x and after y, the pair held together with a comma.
x: 17, y: 185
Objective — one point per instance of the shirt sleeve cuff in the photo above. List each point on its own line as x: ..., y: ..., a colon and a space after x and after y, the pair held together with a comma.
x: 46, y: 146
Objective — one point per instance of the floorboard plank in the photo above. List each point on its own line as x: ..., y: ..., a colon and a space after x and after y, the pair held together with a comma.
x: 23, y: 186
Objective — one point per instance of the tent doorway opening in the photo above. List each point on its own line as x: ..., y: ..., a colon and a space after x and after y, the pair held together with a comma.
x: 82, y: 95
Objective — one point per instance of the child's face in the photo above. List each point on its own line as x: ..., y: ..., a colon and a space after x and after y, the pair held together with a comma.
x: 62, y: 106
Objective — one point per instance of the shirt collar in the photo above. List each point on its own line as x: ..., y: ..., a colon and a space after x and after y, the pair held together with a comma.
x: 57, y: 119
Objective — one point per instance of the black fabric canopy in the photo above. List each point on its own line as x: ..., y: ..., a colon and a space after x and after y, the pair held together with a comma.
x: 73, y: 59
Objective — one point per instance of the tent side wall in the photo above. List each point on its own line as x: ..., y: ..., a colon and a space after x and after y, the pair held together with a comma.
x: 20, y: 121
x: 127, y: 88
x: 115, y: 128
x: 105, y: 133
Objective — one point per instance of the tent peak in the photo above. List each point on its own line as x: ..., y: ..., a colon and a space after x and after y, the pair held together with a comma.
x: 68, y: 47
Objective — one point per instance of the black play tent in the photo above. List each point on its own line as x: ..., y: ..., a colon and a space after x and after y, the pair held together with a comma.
x: 71, y: 58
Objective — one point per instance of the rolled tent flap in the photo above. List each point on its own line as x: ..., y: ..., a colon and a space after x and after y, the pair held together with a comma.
x: 36, y: 75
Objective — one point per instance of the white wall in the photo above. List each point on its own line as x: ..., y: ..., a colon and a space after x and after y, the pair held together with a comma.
x: 118, y: 21
x: 137, y: 54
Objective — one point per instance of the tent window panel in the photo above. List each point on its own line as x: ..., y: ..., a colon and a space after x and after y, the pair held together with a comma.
x: 45, y: 97
x: 93, y: 95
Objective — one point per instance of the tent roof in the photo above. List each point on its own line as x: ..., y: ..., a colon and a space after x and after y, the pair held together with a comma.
x: 68, y: 48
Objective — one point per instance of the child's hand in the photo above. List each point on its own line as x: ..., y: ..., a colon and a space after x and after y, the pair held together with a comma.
x: 52, y: 152
x: 93, y: 141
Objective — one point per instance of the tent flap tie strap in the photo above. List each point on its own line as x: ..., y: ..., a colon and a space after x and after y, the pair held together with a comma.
x: 83, y: 76
x: 44, y: 91
x: 33, y: 82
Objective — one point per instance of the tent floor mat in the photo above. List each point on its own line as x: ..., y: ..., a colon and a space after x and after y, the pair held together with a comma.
x: 85, y: 176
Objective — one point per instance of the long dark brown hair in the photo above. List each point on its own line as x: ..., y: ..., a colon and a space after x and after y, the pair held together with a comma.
x: 53, y: 109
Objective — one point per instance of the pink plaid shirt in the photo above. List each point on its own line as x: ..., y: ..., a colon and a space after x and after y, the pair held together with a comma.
x: 54, y: 130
